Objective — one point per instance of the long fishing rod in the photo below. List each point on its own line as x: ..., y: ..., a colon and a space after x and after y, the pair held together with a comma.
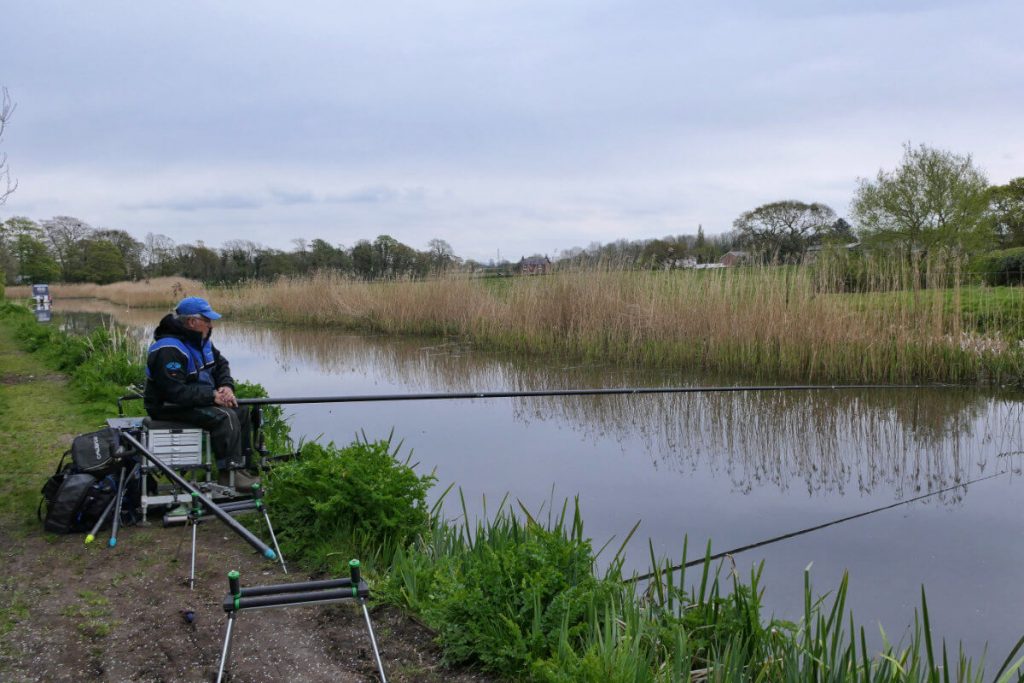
x: 793, y: 534
x: 621, y: 391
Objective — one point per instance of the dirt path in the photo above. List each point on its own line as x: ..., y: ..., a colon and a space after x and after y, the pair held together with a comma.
x: 74, y: 612
x: 117, y: 614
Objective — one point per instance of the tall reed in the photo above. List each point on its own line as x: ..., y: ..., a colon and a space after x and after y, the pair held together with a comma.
x: 874, y: 319
x: 790, y: 323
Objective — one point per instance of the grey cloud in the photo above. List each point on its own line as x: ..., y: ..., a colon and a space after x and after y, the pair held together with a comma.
x: 376, y: 195
x: 203, y: 203
x: 292, y: 197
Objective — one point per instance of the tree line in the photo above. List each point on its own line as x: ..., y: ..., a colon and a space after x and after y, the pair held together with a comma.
x: 67, y: 249
x: 934, y: 199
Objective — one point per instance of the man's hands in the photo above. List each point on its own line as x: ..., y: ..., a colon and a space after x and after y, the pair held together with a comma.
x: 225, y: 396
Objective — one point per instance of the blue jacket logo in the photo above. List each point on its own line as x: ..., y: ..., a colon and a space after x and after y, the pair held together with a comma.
x: 173, y: 365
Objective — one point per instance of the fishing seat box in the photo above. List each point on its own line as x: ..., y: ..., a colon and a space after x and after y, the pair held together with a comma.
x: 182, y: 447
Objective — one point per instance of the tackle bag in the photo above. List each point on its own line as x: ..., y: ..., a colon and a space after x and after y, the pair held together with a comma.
x: 75, y: 500
x: 78, y: 492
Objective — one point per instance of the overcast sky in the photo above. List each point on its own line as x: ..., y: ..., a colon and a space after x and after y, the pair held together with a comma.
x: 517, y: 127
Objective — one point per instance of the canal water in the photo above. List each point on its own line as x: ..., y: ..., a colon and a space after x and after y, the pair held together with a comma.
x: 732, y: 468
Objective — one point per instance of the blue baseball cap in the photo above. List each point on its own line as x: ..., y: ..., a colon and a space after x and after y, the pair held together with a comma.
x: 194, y: 305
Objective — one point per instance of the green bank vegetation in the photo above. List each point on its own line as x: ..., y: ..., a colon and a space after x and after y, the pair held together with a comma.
x: 514, y: 594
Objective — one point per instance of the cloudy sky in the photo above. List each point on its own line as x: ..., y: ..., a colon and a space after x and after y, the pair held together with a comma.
x: 511, y: 127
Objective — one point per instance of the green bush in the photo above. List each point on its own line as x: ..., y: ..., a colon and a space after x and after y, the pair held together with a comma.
x: 1001, y: 268
x: 347, y: 502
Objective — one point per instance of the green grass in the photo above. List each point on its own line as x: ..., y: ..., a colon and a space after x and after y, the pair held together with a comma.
x: 39, y: 413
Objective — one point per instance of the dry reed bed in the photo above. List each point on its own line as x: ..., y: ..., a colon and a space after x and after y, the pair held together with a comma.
x: 761, y: 322
x: 158, y: 292
x: 787, y: 324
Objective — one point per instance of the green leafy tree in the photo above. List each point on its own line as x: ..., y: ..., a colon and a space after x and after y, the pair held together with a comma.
x: 782, y: 231
x: 663, y: 253
x: 324, y: 256
x: 934, y: 199
x: 1006, y: 212
x: 98, y: 261
x: 363, y: 260
x: 23, y: 253
x: 197, y: 261
x: 33, y: 259
x: 131, y: 250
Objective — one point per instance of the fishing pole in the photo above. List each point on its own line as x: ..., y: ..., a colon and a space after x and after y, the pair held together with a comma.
x: 620, y: 391
x: 793, y: 534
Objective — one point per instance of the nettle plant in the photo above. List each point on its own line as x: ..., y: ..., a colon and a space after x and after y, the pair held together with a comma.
x: 334, y: 503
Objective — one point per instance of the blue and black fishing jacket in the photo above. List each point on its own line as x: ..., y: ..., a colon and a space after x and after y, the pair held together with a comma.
x: 182, y: 370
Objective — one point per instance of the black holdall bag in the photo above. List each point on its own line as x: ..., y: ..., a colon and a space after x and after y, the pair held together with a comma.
x: 78, y: 492
x: 77, y: 501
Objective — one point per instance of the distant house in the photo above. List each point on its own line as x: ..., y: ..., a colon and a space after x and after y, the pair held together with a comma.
x: 812, y: 253
x: 688, y: 262
x: 535, y: 265
x: 733, y: 258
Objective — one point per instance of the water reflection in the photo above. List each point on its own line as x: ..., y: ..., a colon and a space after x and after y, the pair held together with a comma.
x: 825, y: 442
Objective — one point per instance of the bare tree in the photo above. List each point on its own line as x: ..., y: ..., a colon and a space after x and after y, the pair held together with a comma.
x: 65, y: 233
x: 156, y: 250
x: 782, y: 231
x: 7, y: 186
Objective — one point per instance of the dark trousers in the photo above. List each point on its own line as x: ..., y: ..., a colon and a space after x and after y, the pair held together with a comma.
x: 230, y: 432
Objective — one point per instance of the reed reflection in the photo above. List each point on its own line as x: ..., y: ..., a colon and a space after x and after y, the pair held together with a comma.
x: 829, y: 442
x: 908, y: 442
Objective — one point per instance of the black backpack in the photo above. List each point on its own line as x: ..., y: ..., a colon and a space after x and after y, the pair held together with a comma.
x: 78, y: 492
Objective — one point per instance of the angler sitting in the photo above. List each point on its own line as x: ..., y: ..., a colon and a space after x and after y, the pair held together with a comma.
x: 189, y: 381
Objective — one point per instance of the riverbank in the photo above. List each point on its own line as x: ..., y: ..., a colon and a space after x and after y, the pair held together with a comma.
x: 71, y: 612
x: 796, y: 324
x: 517, y: 596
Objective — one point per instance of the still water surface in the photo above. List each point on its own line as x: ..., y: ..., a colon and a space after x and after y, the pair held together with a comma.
x: 734, y: 468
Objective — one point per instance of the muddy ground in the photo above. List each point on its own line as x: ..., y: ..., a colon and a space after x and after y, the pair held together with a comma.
x: 97, y: 613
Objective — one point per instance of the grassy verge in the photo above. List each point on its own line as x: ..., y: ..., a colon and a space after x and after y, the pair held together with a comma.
x: 39, y: 413
x: 514, y: 596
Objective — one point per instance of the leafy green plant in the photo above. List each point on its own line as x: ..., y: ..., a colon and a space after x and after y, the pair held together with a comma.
x: 341, y: 502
